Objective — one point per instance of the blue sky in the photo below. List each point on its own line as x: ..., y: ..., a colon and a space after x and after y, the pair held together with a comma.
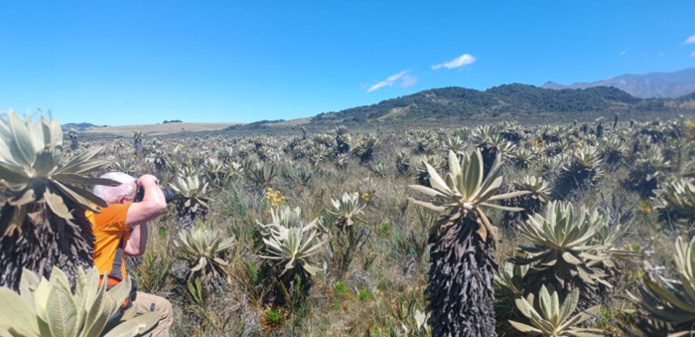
x: 141, y: 62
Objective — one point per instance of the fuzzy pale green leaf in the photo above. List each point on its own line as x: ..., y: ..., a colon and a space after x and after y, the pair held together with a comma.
x: 15, y: 313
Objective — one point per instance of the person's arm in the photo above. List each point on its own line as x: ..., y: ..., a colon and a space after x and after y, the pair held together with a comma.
x: 137, y: 243
x: 152, y: 205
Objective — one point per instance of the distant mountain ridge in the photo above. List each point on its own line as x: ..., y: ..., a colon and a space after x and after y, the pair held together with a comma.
x: 518, y: 101
x: 79, y: 127
x: 651, y: 85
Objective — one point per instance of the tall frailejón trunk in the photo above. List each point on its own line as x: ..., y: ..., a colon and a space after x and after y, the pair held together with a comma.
x: 43, y: 240
x: 460, y: 292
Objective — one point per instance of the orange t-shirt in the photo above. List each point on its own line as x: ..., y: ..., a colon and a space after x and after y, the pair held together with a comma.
x: 108, y: 227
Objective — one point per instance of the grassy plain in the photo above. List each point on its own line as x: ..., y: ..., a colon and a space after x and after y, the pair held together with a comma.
x: 159, y: 129
x: 382, y: 288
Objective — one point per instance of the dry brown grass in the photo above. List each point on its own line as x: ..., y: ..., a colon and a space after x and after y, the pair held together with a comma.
x: 293, y: 122
x: 160, y: 129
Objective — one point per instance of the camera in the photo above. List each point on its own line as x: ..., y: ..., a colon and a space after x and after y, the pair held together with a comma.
x: 169, y: 195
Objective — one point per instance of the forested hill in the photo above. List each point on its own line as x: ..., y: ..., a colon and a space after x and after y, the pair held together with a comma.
x: 512, y: 100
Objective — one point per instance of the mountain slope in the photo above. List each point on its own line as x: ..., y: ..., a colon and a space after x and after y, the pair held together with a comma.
x: 513, y: 99
x: 652, y: 85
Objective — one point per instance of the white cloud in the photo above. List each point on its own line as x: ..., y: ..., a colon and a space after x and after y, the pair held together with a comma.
x: 692, y: 54
x: 408, y: 81
x: 458, y: 62
x: 390, y: 80
x: 691, y: 39
x: 623, y: 52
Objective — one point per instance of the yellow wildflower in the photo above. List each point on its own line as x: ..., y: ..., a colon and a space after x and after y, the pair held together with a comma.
x: 275, y: 198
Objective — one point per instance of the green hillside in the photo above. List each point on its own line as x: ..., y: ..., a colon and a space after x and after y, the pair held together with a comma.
x: 515, y: 100
x: 522, y: 103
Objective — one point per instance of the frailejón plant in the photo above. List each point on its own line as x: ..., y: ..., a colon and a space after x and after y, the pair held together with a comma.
x: 460, y: 290
x: 42, y: 221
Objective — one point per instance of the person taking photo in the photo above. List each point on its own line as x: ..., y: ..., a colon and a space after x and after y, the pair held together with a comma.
x: 121, y: 229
